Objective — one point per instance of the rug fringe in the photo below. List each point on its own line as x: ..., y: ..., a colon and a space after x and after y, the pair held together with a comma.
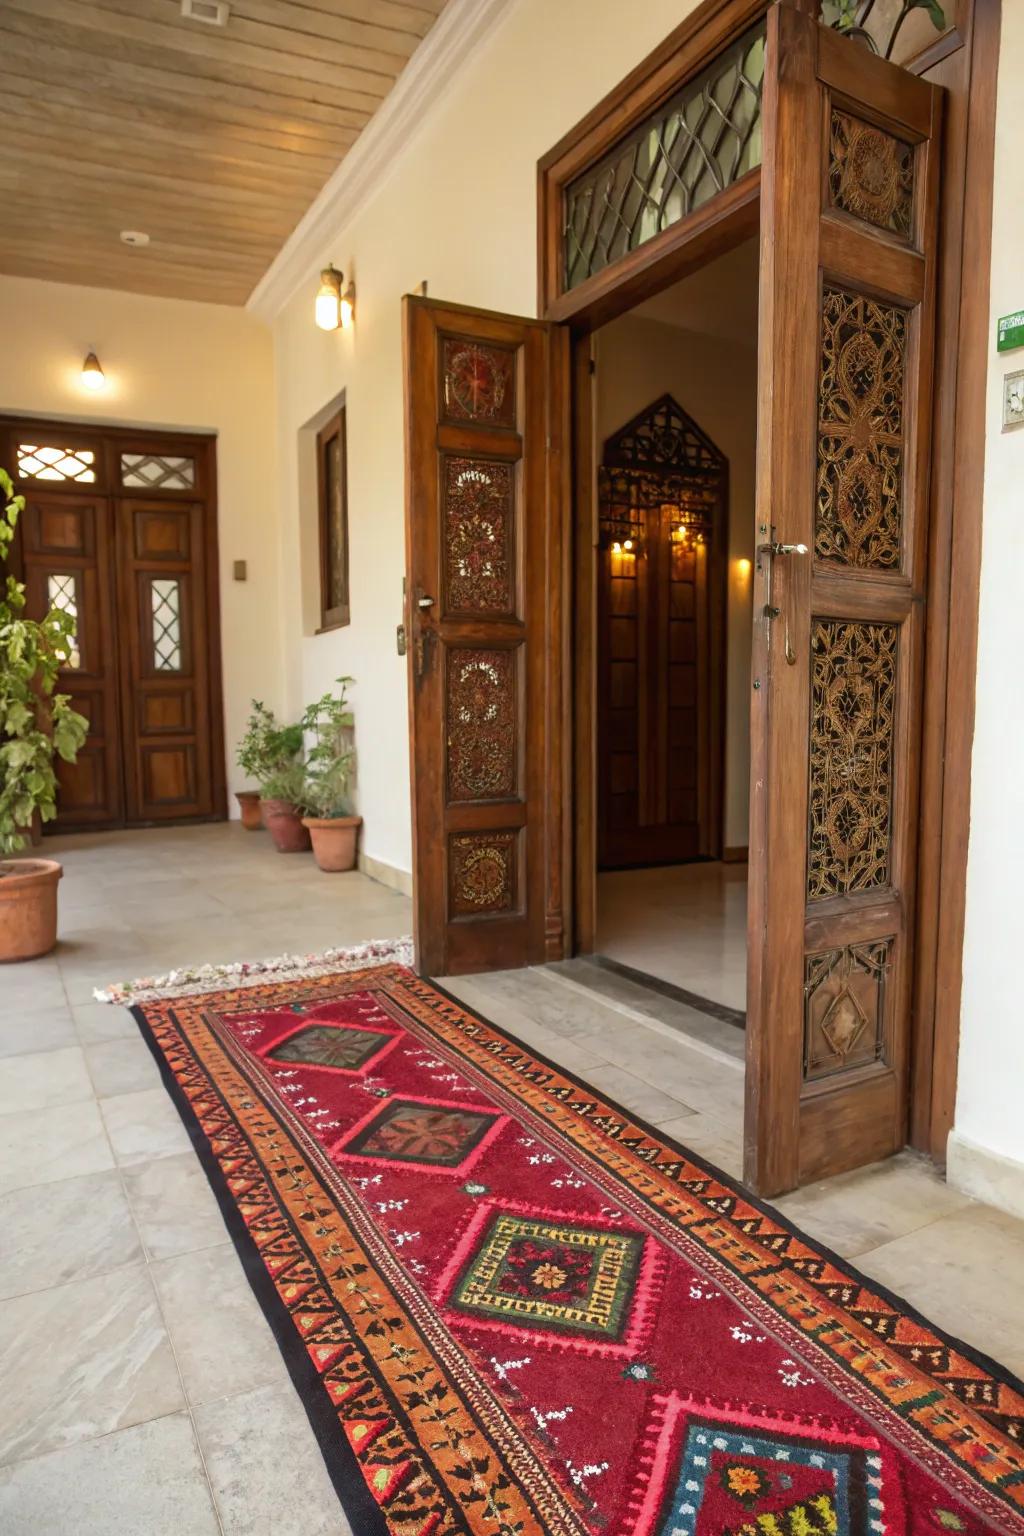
x: 188, y: 981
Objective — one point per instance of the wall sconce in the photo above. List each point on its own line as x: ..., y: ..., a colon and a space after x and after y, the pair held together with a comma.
x: 327, y: 310
x: 348, y: 306
x: 93, y: 376
x: 743, y: 568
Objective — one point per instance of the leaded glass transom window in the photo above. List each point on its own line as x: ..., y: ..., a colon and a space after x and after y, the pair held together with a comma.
x: 50, y: 461
x: 62, y: 591
x: 158, y: 471
x: 702, y: 140
x: 165, y: 594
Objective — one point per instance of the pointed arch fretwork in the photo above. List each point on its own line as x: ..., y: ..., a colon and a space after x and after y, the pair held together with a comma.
x: 662, y: 437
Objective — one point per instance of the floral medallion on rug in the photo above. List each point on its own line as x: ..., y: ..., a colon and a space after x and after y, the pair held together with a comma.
x: 511, y: 1309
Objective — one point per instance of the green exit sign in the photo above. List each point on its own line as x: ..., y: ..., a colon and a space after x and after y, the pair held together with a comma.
x: 1011, y: 332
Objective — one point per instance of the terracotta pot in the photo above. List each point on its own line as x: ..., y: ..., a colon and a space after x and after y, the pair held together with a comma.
x: 334, y: 841
x: 249, y: 805
x: 28, y: 907
x: 284, y: 823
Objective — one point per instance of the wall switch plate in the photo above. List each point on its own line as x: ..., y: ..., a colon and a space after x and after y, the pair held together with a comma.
x: 1013, y: 400
x: 239, y: 570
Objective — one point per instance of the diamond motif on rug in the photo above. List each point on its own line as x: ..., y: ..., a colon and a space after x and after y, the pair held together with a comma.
x: 422, y: 1133
x: 330, y: 1045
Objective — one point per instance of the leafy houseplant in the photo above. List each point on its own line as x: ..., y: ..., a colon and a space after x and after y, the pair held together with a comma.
x: 851, y: 16
x: 282, y: 780
x: 35, y: 725
x: 253, y: 757
x: 329, y: 762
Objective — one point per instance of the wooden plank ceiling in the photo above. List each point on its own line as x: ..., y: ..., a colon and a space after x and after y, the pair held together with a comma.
x: 123, y: 115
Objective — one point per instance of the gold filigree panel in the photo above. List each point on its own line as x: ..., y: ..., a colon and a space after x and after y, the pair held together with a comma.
x: 482, y: 873
x: 480, y: 695
x: 853, y: 703
x: 859, y: 514
x: 844, y: 1007
x: 478, y: 540
x: 478, y: 382
x: 871, y: 174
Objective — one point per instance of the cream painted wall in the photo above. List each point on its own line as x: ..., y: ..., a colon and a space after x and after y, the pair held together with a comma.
x: 171, y: 364
x: 459, y: 210
x: 715, y: 381
x: 986, y: 1152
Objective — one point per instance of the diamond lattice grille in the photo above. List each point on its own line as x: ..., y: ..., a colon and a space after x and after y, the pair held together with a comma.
x: 157, y: 472
x: 40, y: 461
x: 701, y: 141
x: 62, y: 592
x: 166, y: 601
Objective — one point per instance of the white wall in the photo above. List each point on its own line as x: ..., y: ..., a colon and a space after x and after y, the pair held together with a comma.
x: 459, y: 210
x: 715, y: 382
x: 177, y: 365
x: 986, y: 1151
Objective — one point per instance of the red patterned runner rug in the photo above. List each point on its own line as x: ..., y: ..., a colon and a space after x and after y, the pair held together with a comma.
x: 511, y: 1309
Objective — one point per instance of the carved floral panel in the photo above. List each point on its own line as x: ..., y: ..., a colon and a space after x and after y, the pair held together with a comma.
x: 478, y: 382
x: 853, y: 696
x: 859, y: 514
x: 478, y: 552
x: 481, y: 724
x: 481, y: 873
x: 844, y: 1007
x: 871, y: 173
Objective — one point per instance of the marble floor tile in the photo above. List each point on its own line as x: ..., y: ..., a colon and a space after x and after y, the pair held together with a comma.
x: 265, y: 1467
x: 43, y: 1080
x: 121, y: 1066
x: 37, y: 1149
x: 68, y: 1230
x: 634, y: 1094
x: 719, y: 1143
x: 26, y: 1031
x: 862, y: 1210
x: 98, y: 1022
x: 88, y: 1358
x: 221, y: 1337
x: 173, y: 1205
x: 145, y: 1481
x: 143, y: 1126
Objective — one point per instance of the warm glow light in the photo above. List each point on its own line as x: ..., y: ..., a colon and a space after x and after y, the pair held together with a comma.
x: 92, y: 374
x: 743, y: 569
x: 327, y: 310
x: 628, y: 544
x: 616, y: 548
x: 348, y: 306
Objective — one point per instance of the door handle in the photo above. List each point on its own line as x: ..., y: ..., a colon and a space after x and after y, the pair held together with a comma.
x: 775, y: 548
x: 424, y: 602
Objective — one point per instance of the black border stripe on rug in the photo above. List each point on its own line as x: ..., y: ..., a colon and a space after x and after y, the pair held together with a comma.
x: 361, y: 1510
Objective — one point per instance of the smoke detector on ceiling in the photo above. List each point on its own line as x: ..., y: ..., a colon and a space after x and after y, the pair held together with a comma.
x: 213, y: 12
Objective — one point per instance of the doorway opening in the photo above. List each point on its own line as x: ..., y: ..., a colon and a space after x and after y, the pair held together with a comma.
x: 674, y: 407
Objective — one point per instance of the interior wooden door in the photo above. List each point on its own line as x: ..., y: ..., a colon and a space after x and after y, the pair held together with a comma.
x: 165, y: 685
x: 848, y: 242
x: 486, y: 406
x: 66, y: 548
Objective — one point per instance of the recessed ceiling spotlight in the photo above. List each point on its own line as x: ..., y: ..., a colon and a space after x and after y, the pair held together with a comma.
x: 134, y: 237
x: 213, y: 12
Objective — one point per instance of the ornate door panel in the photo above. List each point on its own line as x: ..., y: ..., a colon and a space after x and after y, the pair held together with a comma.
x: 849, y: 204
x: 66, y: 551
x: 485, y: 401
x: 165, y: 686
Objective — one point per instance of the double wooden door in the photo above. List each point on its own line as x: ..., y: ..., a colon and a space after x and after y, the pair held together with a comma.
x: 848, y: 215
x: 119, y: 531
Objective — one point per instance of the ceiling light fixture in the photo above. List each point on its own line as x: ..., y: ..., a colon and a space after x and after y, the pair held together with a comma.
x: 213, y: 12
x: 327, y: 310
x: 134, y: 237
x: 93, y: 376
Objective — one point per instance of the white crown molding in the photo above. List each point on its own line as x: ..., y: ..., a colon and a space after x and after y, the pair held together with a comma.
x: 461, y: 27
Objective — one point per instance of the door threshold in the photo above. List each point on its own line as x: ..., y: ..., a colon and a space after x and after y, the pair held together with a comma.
x: 715, y: 1010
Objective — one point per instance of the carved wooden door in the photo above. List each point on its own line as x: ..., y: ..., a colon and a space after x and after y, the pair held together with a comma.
x: 485, y: 424
x: 848, y: 241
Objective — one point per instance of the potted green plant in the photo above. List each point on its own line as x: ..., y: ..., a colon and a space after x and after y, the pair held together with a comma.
x: 36, y: 724
x: 253, y: 757
x: 330, y: 758
x: 282, y: 782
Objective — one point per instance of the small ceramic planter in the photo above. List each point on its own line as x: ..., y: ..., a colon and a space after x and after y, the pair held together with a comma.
x: 28, y: 907
x: 334, y: 841
x: 249, y: 805
x: 284, y: 823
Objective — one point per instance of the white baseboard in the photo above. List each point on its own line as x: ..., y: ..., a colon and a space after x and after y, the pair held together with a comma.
x: 386, y: 874
x: 987, y: 1175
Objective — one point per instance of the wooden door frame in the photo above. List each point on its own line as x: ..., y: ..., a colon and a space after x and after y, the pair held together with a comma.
x: 969, y: 48
x: 112, y: 439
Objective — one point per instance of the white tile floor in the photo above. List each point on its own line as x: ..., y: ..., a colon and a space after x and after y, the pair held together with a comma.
x: 148, y: 1396
x: 685, y: 923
